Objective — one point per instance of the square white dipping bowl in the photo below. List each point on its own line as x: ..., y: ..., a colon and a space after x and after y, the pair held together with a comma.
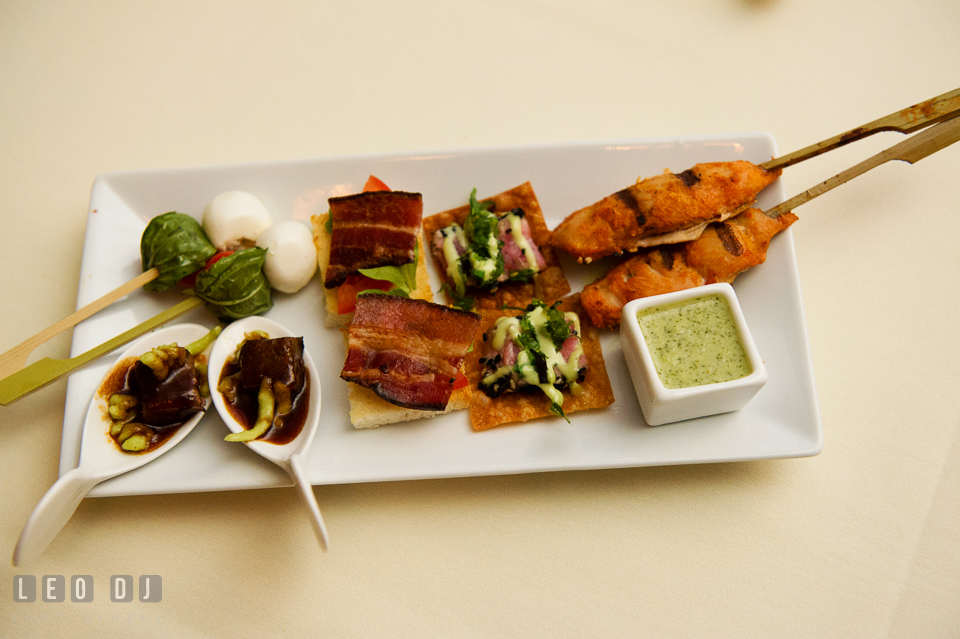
x: 662, y: 405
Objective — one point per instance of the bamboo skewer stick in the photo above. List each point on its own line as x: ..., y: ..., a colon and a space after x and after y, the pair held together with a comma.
x: 16, y: 358
x: 914, y: 118
x: 910, y: 150
x: 48, y: 370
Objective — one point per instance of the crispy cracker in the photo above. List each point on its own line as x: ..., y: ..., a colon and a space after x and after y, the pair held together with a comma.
x: 531, y: 403
x: 549, y: 285
x: 321, y: 239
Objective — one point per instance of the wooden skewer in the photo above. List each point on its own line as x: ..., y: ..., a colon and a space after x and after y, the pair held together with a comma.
x: 16, y: 358
x: 48, y: 370
x: 938, y: 109
x: 910, y: 150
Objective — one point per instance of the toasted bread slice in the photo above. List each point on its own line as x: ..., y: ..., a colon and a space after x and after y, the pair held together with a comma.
x: 321, y: 239
x: 369, y: 411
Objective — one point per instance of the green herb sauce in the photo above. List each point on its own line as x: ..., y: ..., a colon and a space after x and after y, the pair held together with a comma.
x: 694, y: 342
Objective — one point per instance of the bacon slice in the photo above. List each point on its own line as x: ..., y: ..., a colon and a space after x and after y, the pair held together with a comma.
x: 665, y: 209
x: 408, y: 351
x: 376, y: 228
x: 722, y: 252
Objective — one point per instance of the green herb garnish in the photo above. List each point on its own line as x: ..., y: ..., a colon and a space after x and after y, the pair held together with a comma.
x: 403, y: 277
x: 480, y: 223
x: 523, y: 275
x: 557, y: 326
x: 484, y: 249
x: 557, y: 410
x: 542, y: 328
x: 463, y: 302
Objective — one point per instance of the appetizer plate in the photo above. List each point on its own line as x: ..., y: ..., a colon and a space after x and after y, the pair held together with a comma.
x: 783, y: 420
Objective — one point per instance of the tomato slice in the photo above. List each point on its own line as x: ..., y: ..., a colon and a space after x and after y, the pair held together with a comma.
x: 190, y: 281
x: 217, y: 257
x: 347, y: 293
x: 375, y: 184
x: 461, y: 380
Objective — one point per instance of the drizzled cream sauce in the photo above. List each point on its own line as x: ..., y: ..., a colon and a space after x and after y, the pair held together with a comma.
x: 509, y: 328
x: 516, y: 229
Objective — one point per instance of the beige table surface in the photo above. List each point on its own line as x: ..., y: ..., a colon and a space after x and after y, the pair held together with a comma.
x: 860, y: 541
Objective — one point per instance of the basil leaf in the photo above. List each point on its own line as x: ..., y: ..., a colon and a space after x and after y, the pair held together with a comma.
x: 403, y: 277
x: 235, y: 287
x: 176, y: 245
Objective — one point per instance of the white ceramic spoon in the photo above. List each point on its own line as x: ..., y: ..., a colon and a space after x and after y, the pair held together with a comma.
x: 290, y: 456
x: 100, y: 457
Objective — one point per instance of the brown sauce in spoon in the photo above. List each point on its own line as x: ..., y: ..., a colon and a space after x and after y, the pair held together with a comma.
x: 243, y: 407
x: 118, y: 381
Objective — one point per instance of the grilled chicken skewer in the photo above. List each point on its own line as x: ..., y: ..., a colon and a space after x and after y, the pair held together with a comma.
x: 728, y: 248
x: 666, y: 209
x: 722, y: 252
x: 672, y: 208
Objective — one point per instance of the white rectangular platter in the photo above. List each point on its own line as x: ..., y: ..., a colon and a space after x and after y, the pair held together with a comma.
x: 782, y: 421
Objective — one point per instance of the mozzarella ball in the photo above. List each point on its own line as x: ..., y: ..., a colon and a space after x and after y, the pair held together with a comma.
x: 234, y: 220
x: 291, y: 256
